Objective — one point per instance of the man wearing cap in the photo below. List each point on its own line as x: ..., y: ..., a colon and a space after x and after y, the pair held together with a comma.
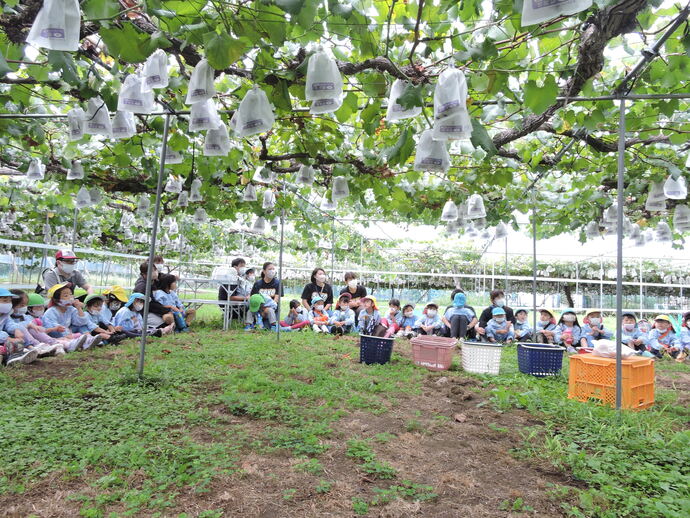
x: 64, y: 272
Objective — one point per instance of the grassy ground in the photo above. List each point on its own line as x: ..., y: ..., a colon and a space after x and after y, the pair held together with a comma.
x: 230, y: 424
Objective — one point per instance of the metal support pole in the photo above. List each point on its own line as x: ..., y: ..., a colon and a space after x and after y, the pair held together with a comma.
x: 505, y: 284
x: 619, y: 255
x: 152, y: 249
x: 333, y: 249
x: 534, y: 261
x: 641, y: 291
x: 601, y: 283
x: 280, y: 269
x: 74, y: 228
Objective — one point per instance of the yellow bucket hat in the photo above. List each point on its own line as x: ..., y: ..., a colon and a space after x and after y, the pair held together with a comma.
x: 118, y: 292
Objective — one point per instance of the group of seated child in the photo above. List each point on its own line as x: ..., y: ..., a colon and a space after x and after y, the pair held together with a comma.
x: 31, y: 328
x: 401, y: 321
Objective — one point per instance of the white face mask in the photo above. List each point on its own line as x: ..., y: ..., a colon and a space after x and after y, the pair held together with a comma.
x: 409, y: 314
x: 159, y: 266
x: 37, y: 312
x: 114, y: 306
x: 67, y: 268
x: 595, y: 321
x: 393, y: 310
x: 251, y: 278
x: 242, y: 270
x: 500, y: 320
x: 431, y: 313
x: 137, y: 307
x: 569, y: 318
x: 521, y: 318
x: 270, y: 274
x: 352, y: 283
x: 5, y: 308
x: 94, y: 311
x: 344, y: 307
x: 67, y: 302
x: 544, y: 318
x: 629, y: 327
x: 21, y: 310
x: 500, y: 302
x: 318, y: 308
x: 321, y: 277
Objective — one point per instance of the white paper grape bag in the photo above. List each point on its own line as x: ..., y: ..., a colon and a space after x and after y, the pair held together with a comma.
x: 259, y: 225
x: 450, y: 211
x: 217, y: 142
x: 328, y: 105
x: 305, y: 175
x: 56, y: 26
x: 204, y: 116
x: 123, y: 125
x: 201, y: 83
x: 249, y: 193
x: 183, y: 200
x: 36, y: 170
x: 450, y: 94
x: 635, y: 232
x: 663, y: 232
x: 173, y: 184
x: 127, y: 219
x: 611, y: 214
x: 97, y: 118
x: 656, y: 199
x: 681, y: 218
x: 501, y: 231
x: 155, y: 71
x: 83, y: 199
x: 269, y: 201
x: 340, y: 188
x: 395, y: 111
x: 75, y: 122
x: 254, y: 115
x: 475, y: 207
x: 200, y: 216
x: 143, y: 204
x: 275, y: 222
x: 96, y: 196
x: 537, y: 11
x: 675, y: 189
x: 76, y: 172
x: 174, y: 228
x: 327, y: 204
x: 172, y: 157
x: 457, y: 126
x: 195, y: 191
x: 431, y: 155
x: 132, y: 99
x: 323, y: 78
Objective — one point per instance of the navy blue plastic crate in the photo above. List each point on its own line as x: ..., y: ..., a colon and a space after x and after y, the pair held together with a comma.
x: 540, y: 359
x: 374, y: 349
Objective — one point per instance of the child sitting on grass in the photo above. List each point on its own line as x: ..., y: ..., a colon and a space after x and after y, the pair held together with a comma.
x: 430, y: 323
x: 318, y: 316
x: 33, y: 337
x: 343, y: 319
x: 129, y: 319
x: 684, y: 338
x: 546, y: 327
x: 167, y: 297
x: 594, y: 328
x: 630, y: 333
x: 407, y: 322
x: 523, y: 331
x: 663, y: 339
x: 393, y: 319
x: 64, y: 315
x: 94, y: 310
x: 499, y: 328
x: 12, y: 350
x: 262, y: 312
x: 568, y: 331
x: 297, y: 317
x: 369, y: 318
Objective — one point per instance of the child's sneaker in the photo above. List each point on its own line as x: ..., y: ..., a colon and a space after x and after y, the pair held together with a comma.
x: 571, y: 349
x: 60, y: 350
x: 324, y: 329
x: 249, y: 327
x: 168, y: 330
x: 157, y: 333
x: 81, y: 342
x: 316, y: 328
x: 46, y: 349
x: 23, y: 358
x: 97, y: 341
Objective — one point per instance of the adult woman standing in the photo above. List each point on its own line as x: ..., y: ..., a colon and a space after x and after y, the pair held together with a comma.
x: 318, y: 287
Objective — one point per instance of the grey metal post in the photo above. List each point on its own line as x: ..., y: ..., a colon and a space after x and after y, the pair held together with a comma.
x: 505, y: 287
x: 534, y: 261
x: 619, y: 255
x: 280, y: 269
x: 152, y: 248
x: 333, y: 249
x: 74, y: 228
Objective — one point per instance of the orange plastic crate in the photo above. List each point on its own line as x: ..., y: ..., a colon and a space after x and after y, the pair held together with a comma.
x: 593, y: 378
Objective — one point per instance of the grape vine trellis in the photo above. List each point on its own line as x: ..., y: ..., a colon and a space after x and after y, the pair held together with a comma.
x: 520, y: 80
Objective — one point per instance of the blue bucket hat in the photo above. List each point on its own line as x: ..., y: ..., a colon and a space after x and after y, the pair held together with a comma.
x: 459, y: 300
x: 5, y: 292
x: 316, y: 299
x: 133, y: 297
x: 568, y: 310
x: 498, y: 311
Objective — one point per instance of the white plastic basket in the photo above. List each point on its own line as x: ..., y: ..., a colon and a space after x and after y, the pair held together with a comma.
x: 481, y: 358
